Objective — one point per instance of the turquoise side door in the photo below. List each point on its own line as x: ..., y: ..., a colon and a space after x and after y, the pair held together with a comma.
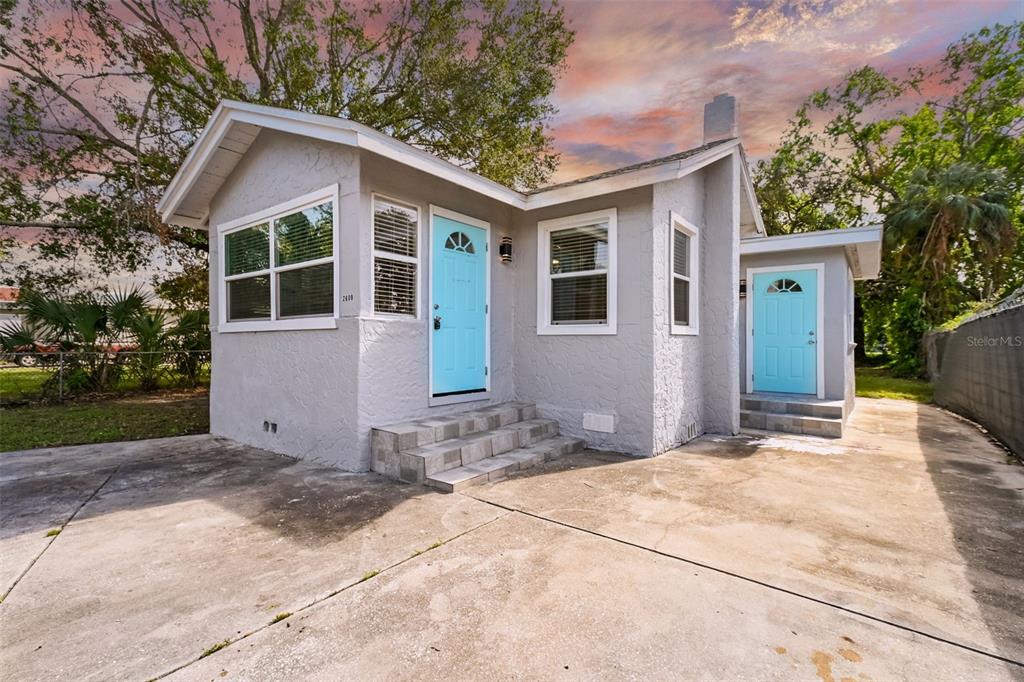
x: 458, y: 316
x: 785, y: 331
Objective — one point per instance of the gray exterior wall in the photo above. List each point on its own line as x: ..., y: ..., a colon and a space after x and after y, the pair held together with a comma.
x: 678, y: 359
x: 394, y: 352
x: 326, y: 389
x: 695, y: 389
x: 304, y: 381
x: 836, y: 335
x: 719, y: 325
x: 606, y: 374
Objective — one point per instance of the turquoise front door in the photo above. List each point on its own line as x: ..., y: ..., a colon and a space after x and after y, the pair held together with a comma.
x: 785, y: 331
x: 458, y: 316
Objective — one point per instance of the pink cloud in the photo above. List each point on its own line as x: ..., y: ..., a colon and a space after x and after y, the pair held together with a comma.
x: 640, y: 73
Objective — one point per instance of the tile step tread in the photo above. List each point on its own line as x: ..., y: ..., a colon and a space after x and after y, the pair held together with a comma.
x: 782, y: 406
x: 455, y: 417
x: 459, y: 441
x: 500, y: 466
x: 794, y: 415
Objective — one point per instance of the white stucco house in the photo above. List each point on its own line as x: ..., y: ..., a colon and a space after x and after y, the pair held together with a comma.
x: 376, y: 307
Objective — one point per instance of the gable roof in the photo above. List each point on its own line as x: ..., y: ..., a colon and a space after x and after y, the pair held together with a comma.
x: 650, y: 163
x: 233, y: 127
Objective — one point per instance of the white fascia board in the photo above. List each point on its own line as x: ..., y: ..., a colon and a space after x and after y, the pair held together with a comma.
x: 865, y: 242
x: 319, y: 127
x: 671, y: 170
x: 191, y: 167
x: 343, y: 131
x: 812, y: 240
x: 748, y: 186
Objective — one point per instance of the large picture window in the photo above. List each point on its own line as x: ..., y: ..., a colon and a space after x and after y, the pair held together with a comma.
x: 279, y: 266
x: 395, y: 257
x: 684, y: 276
x: 576, y: 262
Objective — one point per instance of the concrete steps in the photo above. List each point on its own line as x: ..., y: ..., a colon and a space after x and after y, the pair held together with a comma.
x: 791, y: 414
x: 455, y: 452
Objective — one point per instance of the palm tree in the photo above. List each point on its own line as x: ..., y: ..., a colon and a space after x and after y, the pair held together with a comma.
x: 950, y: 225
x: 944, y: 210
x: 91, y: 327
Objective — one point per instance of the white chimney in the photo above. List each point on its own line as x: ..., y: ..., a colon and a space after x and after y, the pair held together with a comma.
x: 720, y: 118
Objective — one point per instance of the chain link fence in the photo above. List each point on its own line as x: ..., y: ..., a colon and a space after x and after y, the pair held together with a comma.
x: 58, y: 375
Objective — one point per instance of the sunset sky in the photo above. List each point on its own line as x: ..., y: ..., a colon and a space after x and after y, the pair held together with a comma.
x: 639, y: 72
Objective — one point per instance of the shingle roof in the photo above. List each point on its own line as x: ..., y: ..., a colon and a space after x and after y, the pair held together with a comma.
x: 678, y: 156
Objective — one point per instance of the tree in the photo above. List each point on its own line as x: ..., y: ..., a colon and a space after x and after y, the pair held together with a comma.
x: 945, y: 176
x: 104, y: 101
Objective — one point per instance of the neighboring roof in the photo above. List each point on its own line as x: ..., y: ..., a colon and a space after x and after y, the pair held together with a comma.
x: 863, y: 246
x: 8, y: 294
x: 233, y: 127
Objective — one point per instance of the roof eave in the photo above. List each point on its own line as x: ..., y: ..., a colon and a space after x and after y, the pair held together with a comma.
x: 862, y: 245
x: 670, y: 170
x: 359, y: 136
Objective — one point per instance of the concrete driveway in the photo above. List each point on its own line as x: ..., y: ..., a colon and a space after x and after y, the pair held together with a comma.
x: 896, y: 553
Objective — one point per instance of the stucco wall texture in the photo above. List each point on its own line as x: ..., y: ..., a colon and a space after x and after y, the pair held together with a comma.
x: 326, y: 389
x: 836, y: 335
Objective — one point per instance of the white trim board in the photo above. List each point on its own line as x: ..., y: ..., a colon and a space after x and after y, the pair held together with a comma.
x: 224, y: 326
x: 819, y: 336
x: 691, y: 230
x: 432, y: 401
x: 544, y: 276
x: 863, y: 246
x: 233, y: 127
x: 416, y: 260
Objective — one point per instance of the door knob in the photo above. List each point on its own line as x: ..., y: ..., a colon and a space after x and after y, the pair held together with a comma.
x: 437, y: 321
x: 811, y: 342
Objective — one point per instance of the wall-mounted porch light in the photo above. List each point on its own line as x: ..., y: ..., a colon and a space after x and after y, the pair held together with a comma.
x: 505, y: 249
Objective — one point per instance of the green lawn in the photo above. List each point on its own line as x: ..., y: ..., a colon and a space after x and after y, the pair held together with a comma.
x: 877, y: 382
x: 151, y: 415
x: 21, y: 383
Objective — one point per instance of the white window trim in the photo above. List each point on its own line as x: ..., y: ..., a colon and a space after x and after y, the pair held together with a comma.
x: 329, y: 193
x: 544, y: 277
x: 395, y: 256
x: 677, y: 222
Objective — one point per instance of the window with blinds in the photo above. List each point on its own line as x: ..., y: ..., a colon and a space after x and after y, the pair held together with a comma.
x: 683, y: 291
x: 577, y: 290
x: 281, y: 267
x: 579, y: 275
x: 395, y: 257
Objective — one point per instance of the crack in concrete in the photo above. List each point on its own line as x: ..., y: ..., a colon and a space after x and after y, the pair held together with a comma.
x: 366, y: 578
x: 53, y: 538
x: 755, y: 581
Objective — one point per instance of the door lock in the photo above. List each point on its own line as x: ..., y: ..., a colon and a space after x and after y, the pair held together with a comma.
x: 437, y: 322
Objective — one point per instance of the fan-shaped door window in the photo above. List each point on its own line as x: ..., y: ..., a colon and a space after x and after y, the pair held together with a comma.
x: 459, y: 241
x: 784, y: 286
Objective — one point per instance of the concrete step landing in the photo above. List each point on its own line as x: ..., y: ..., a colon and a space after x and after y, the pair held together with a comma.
x: 792, y: 414
x: 469, y: 448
